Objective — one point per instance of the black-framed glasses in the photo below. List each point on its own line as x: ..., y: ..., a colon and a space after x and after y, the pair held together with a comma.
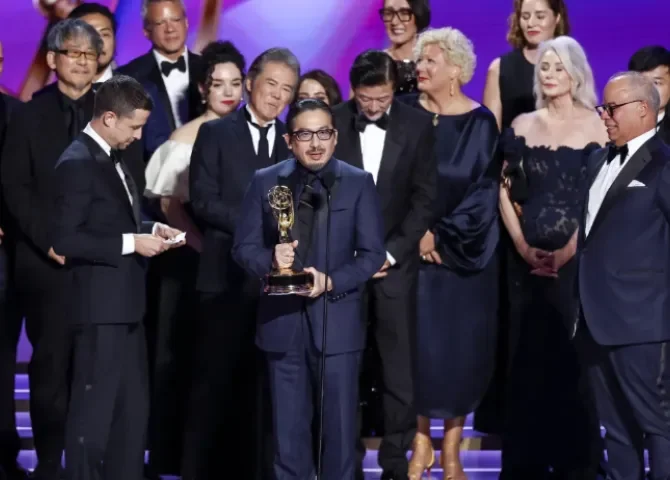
x: 307, y: 135
x: 76, y: 54
x: 610, y: 107
x: 387, y: 14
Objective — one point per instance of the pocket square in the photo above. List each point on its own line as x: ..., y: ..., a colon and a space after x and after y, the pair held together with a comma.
x: 636, y: 183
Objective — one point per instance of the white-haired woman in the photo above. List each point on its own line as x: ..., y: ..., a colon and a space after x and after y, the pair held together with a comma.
x: 457, y: 302
x: 546, y: 155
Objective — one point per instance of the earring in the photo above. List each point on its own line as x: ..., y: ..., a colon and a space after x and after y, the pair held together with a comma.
x: 452, y: 90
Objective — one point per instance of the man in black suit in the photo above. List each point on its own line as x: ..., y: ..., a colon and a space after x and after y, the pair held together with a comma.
x: 39, y: 132
x: 102, y: 19
x: 10, y: 320
x: 624, y: 279
x: 225, y: 156
x: 98, y: 228
x: 167, y: 71
x: 654, y: 63
x: 394, y: 142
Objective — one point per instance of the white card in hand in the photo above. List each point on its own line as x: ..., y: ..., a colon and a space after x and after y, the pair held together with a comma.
x: 179, y: 238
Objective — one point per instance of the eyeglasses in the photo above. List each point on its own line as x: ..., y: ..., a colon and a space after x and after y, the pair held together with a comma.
x: 307, y: 135
x: 609, y: 107
x: 76, y: 54
x: 404, y: 14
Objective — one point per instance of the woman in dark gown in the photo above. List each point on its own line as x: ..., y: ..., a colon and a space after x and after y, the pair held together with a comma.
x: 457, y: 301
x: 508, y: 94
x: 546, y: 157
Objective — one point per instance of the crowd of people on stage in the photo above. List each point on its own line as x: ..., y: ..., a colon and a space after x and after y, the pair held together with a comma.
x: 507, y: 257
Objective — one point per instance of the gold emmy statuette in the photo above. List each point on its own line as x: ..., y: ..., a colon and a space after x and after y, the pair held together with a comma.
x: 285, y: 281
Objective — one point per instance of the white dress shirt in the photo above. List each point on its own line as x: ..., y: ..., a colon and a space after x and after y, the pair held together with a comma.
x: 256, y: 135
x: 661, y: 116
x: 106, y: 75
x: 608, y: 174
x: 128, y: 238
x: 176, y: 84
x: 372, y: 150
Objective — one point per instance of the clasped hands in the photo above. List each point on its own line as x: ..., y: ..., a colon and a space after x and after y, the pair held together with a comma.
x: 544, y: 263
x: 284, y: 256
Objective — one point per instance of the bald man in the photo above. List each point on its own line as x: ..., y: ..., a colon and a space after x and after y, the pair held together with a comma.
x: 624, y: 280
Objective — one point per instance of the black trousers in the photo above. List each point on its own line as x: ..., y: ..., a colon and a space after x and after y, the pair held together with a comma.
x: 46, y: 306
x: 10, y: 331
x: 227, y: 413
x: 173, y: 305
x: 393, y: 321
x: 107, y: 418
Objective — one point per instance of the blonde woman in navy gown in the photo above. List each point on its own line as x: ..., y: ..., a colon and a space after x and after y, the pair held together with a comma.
x: 457, y: 303
x: 546, y: 155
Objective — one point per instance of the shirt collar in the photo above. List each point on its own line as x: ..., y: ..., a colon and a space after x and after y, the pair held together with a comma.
x: 661, y: 116
x: 98, y: 139
x: 255, y: 120
x: 635, y: 144
x: 66, y: 102
x: 162, y: 58
x: 106, y: 75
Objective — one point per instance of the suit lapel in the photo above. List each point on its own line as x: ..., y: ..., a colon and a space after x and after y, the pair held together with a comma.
x: 394, y: 139
x: 110, y: 174
x: 155, y: 77
x: 194, y: 98
x: 627, y: 174
x: 350, y: 137
x: 241, y: 129
x: 280, y: 150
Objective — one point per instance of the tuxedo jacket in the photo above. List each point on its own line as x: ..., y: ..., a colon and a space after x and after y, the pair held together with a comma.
x: 624, y: 261
x: 356, y: 253
x: 161, y: 122
x: 664, y: 127
x: 7, y: 106
x: 406, y: 182
x: 223, y: 163
x: 91, y: 213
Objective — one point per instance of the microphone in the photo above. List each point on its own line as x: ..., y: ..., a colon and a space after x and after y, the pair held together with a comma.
x: 327, y: 181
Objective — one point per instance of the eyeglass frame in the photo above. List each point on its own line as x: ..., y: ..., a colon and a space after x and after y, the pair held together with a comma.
x: 606, y: 107
x: 328, y: 131
x: 395, y: 13
x: 70, y: 54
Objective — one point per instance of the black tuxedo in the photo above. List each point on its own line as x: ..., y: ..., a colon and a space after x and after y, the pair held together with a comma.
x: 10, y: 317
x: 145, y: 69
x: 623, y: 280
x: 36, y: 137
x: 108, y: 410
x: 406, y: 183
x: 223, y: 163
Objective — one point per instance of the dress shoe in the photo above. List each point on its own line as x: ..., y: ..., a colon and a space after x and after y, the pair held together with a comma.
x: 394, y: 476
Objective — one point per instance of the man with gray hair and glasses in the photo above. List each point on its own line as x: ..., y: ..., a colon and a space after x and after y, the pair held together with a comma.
x: 624, y: 279
x: 225, y: 156
x: 38, y: 134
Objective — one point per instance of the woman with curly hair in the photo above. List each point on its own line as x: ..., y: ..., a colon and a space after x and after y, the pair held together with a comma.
x: 455, y: 347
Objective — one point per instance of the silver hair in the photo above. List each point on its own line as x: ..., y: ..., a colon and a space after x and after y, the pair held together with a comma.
x: 72, y: 28
x: 643, y: 86
x: 274, y: 55
x: 146, y: 3
x: 456, y: 47
x: 574, y: 61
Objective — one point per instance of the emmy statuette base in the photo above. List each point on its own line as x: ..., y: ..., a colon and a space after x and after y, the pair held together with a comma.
x: 288, y: 283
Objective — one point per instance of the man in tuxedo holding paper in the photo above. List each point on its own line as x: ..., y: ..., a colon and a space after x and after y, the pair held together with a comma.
x: 624, y: 278
x: 98, y: 230
x: 290, y: 327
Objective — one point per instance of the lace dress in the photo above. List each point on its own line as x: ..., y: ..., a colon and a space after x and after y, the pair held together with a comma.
x: 545, y: 383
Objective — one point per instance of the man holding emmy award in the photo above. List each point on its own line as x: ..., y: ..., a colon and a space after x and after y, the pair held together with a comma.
x: 285, y: 237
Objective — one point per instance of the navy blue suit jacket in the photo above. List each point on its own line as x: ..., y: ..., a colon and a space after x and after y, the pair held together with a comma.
x: 356, y: 253
x: 624, y: 262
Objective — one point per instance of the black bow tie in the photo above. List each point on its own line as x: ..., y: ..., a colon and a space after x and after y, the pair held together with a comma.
x: 167, y: 67
x: 362, y: 122
x: 613, y: 151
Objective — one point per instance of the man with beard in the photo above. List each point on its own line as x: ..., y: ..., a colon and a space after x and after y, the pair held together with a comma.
x: 39, y: 132
x: 225, y: 156
x: 102, y: 19
x: 291, y: 327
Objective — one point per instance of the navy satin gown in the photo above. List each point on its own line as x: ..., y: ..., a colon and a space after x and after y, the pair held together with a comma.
x: 458, y: 300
